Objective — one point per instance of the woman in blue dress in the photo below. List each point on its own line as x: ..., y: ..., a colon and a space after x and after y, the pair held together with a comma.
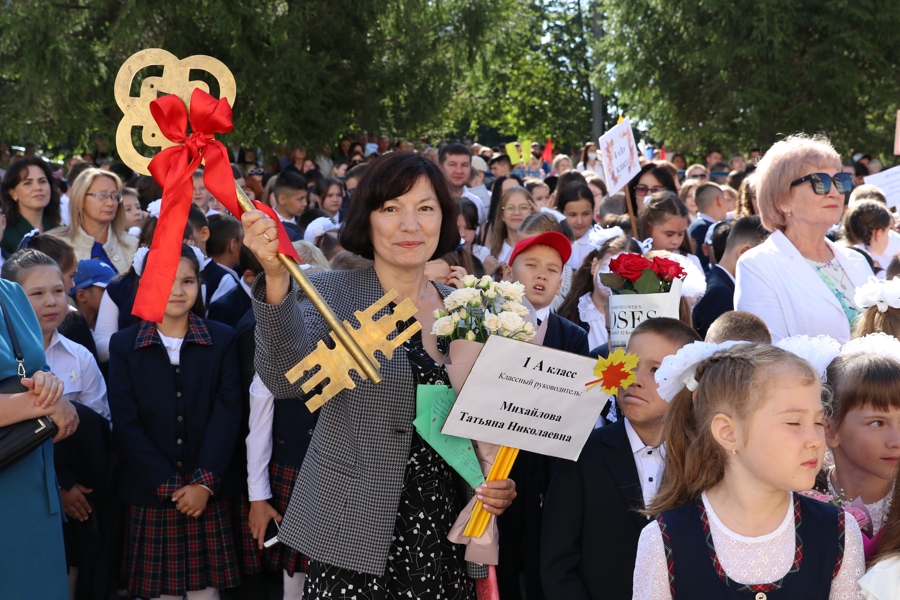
x: 32, y: 554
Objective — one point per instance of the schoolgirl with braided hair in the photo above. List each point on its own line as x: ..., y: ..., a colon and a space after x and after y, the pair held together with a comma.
x: 867, y: 226
x: 744, y: 433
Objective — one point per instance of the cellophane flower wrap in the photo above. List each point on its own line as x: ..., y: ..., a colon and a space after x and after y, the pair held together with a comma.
x: 642, y: 289
x: 480, y: 309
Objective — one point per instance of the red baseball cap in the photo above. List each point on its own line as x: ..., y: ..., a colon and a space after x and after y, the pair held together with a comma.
x: 554, y: 239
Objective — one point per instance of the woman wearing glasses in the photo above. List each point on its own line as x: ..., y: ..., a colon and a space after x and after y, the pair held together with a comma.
x: 798, y: 281
x: 516, y: 205
x: 97, y: 218
x: 651, y: 179
x: 30, y: 201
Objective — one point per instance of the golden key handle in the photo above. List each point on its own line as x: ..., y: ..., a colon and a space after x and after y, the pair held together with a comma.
x: 366, y: 368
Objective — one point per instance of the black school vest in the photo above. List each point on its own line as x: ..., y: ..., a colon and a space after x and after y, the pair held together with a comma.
x: 212, y: 275
x: 695, y: 572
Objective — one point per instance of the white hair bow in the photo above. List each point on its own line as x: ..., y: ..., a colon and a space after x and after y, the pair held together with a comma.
x: 677, y: 370
x: 600, y: 236
x: 154, y: 207
x: 876, y: 292
x: 818, y: 351
x: 875, y: 343
x: 140, y: 258
x: 317, y: 228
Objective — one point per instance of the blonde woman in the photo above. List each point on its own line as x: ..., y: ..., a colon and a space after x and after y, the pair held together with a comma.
x: 516, y: 205
x: 97, y: 217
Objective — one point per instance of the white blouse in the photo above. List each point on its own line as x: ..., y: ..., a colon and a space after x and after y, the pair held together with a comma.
x: 746, y: 560
x: 594, y: 319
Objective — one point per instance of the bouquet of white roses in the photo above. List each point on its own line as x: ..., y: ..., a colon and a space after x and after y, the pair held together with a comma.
x: 483, y: 308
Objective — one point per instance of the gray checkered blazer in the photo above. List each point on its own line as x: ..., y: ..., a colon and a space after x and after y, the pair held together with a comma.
x: 344, y: 505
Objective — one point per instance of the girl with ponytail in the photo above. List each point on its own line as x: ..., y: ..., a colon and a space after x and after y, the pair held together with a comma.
x: 744, y: 433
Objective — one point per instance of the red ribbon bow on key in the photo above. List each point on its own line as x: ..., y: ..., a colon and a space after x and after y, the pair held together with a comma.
x: 173, y: 169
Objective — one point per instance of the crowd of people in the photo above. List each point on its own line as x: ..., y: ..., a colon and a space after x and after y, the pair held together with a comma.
x: 754, y: 456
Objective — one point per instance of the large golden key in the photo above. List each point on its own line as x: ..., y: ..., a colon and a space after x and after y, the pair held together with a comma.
x: 354, y: 348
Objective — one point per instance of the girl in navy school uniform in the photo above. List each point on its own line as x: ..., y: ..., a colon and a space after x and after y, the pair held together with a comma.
x: 176, y: 409
x: 738, y: 447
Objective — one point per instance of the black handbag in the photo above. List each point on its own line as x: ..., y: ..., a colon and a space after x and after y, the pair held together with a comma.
x: 19, y: 439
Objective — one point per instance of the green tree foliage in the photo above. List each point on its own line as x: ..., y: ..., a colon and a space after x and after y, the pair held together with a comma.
x: 742, y: 73
x: 307, y: 70
x: 533, y: 81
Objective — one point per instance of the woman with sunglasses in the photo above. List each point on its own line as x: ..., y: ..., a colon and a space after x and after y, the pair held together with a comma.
x: 651, y: 179
x: 97, y: 217
x: 798, y: 281
x: 30, y: 201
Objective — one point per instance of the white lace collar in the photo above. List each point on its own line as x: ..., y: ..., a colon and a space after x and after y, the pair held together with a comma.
x: 588, y: 311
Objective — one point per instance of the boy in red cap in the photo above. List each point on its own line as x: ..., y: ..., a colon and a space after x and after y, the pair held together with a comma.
x: 537, y: 263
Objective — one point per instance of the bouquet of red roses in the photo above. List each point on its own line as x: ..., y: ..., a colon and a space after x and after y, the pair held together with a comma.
x: 636, y: 274
x: 642, y: 289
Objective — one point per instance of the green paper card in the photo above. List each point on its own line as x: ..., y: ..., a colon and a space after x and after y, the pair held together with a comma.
x: 433, y: 404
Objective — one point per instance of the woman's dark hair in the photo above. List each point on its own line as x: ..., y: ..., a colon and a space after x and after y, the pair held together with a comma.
x: 387, y: 177
x: 661, y: 206
x: 148, y: 190
x: 14, y: 176
x: 56, y: 248
x: 469, y: 212
x: 663, y: 176
x: 582, y: 283
x: 22, y: 261
x: 496, y: 194
x: 573, y: 192
x: 568, y: 178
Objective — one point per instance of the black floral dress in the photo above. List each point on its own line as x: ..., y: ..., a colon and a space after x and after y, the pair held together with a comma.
x: 422, y: 562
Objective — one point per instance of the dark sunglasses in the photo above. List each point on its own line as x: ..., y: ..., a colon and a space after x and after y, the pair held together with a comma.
x: 642, y: 190
x: 821, y: 182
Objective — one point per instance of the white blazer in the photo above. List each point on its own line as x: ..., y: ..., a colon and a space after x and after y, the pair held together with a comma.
x: 775, y: 283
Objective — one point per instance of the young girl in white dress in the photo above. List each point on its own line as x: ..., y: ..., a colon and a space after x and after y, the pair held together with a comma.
x: 744, y: 435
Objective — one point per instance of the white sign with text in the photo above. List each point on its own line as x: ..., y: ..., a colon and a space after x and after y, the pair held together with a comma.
x: 889, y: 182
x: 620, y: 156
x: 528, y: 397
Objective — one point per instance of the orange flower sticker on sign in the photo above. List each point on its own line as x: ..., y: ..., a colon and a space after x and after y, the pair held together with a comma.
x: 614, y: 372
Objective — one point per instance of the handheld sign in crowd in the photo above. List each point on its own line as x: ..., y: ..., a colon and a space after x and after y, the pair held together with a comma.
x: 620, y: 156
x: 889, y: 183
x: 528, y: 397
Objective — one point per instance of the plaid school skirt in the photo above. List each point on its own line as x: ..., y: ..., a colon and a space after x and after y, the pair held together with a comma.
x: 167, y: 552
x: 282, y: 557
x: 249, y: 555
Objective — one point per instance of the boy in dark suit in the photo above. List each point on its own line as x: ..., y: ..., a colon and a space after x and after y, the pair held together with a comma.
x: 712, y: 206
x: 591, y: 522
x: 231, y: 307
x: 745, y: 233
x: 537, y: 263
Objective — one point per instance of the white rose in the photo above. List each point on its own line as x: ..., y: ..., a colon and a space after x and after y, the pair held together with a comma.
x: 455, y: 317
x: 511, y: 290
x: 490, y: 294
x: 462, y: 298
x: 443, y: 326
x: 463, y: 314
x: 510, y: 323
x: 469, y: 281
x: 491, y: 322
x: 470, y: 335
x: 485, y: 282
x: 516, y: 307
x: 438, y: 313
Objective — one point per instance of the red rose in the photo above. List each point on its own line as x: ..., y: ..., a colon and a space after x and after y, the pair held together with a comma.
x: 630, y: 266
x: 667, y: 269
